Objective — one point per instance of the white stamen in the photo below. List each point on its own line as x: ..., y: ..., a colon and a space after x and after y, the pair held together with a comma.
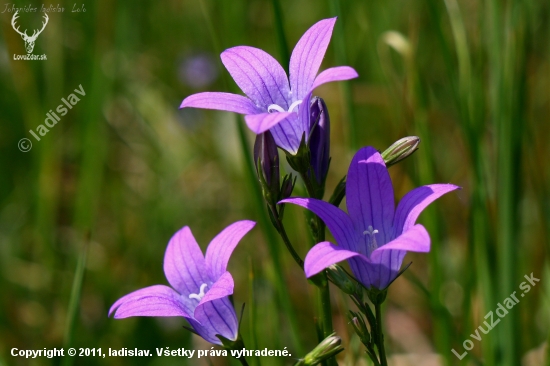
x: 370, y: 231
x: 274, y: 107
x: 200, y: 295
x: 372, y: 242
x: 294, y: 105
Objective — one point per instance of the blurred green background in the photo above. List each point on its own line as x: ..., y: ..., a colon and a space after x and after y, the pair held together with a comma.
x: 124, y: 169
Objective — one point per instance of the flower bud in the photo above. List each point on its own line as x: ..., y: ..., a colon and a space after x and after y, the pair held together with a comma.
x: 287, y: 186
x: 329, y: 347
x: 266, y: 160
x: 400, y: 149
x: 341, y: 279
x: 319, y: 140
x: 360, y: 327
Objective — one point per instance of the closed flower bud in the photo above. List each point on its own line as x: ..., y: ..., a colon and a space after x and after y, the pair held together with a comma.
x: 400, y: 149
x: 287, y: 186
x: 266, y: 160
x: 319, y: 140
x: 341, y: 279
x: 329, y: 347
x: 359, y: 326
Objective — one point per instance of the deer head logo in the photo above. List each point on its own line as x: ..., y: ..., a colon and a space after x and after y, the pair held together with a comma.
x: 29, y: 40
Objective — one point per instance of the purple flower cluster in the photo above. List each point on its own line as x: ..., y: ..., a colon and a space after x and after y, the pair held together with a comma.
x: 373, y: 236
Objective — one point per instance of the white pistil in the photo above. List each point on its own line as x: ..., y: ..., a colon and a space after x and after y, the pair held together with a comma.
x: 200, y: 295
x: 372, y: 242
x: 277, y: 108
x: 274, y: 107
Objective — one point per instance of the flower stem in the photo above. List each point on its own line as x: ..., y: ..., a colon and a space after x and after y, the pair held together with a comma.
x: 282, y: 232
x: 326, y: 311
x: 319, y: 236
x: 380, y: 336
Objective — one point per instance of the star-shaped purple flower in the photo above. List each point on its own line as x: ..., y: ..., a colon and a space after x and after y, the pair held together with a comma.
x: 272, y: 103
x: 374, y: 237
x: 200, y: 285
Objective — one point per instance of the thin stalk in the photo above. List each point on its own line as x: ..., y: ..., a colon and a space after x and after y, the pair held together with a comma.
x: 252, y: 312
x: 326, y: 310
x: 74, y: 301
x: 380, y: 335
x: 273, y: 246
x: 282, y: 232
x: 279, y: 27
x: 323, y: 288
x: 341, y: 59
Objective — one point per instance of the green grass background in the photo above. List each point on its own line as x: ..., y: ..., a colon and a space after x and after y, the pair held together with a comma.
x: 85, y: 216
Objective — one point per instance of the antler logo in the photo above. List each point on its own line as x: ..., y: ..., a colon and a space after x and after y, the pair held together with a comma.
x: 29, y: 40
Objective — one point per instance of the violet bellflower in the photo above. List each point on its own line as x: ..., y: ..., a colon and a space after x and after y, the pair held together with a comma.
x: 273, y: 103
x: 200, y: 285
x: 375, y: 236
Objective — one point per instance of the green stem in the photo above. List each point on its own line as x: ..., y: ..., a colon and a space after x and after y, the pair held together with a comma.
x: 341, y: 59
x: 324, y: 290
x: 283, y: 49
x: 326, y: 311
x: 282, y: 232
x: 380, y: 336
x: 74, y: 301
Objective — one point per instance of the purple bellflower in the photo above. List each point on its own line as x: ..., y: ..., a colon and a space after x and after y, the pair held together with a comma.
x: 375, y: 236
x: 272, y: 103
x: 200, y: 285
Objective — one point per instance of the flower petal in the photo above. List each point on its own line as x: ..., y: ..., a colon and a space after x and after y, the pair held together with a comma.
x: 288, y: 133
x: 369, y: 194
x: 222, y: 102
x: 324, y: 255
x: 307, y: 57
x: 416, y: 239
x: 221, y: 288
x: 221, y: 247
x: 378, y: 274
x: 386, y: 260
x: 258, y: 75
x: 156, y: 300
x: 259, y: 123
x: 337, y: 221
x: 335, y: 74
x: 414, y: 202
x: 216, y: 317
x: 304, y: 116
x: 184, y: 264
